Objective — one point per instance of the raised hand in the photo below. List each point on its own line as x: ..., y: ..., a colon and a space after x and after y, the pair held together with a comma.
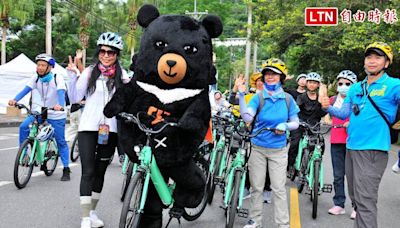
x: 324, y: 102
x: 72, y: 65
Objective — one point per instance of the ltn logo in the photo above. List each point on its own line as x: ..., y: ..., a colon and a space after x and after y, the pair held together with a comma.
x: 321, y: 16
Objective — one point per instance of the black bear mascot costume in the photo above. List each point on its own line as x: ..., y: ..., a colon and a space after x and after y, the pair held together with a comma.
x: 172, y: 71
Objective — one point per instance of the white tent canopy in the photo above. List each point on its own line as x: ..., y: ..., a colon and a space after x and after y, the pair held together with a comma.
x: 15, y: 74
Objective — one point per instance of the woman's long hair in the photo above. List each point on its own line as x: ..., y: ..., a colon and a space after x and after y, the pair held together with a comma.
x: 115, y: 81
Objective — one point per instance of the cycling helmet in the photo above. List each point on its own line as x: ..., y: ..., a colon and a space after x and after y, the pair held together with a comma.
x: 300, y: 76
x: 313, y: 76
x: 45, y: 133
x: 381, y: 48
x: 47, y: 58
x: 276, y: 65
x: 110, y: 39
x: 347, y: 74
x: 253, y: 79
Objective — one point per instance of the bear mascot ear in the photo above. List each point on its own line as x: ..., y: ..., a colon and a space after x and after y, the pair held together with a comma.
x: 213, y: 25
x: 147, y: 13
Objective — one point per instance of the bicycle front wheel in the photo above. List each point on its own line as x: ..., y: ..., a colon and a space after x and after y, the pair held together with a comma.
x: 212, y: 178
x: 191, y: 214
x: 127, y: 180
x: 315, y: 189
x: 232, y: 207
x: 51, y: 158
x: 303, y: 170
x: 130, y: 216
x: 22, y: 168
x: 74, y: 152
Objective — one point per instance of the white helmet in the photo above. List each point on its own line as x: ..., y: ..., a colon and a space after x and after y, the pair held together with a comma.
x: 45, y: 133
x: 300, y: 76
x: 111, y: 39
x: 313, y: 76
x: 347, y: 74
x: 47, y: 58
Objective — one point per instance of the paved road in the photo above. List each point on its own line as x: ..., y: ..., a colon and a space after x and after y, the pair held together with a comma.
x: 47, y: 202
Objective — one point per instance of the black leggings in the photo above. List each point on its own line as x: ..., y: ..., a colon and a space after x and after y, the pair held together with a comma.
x: 94, y: 160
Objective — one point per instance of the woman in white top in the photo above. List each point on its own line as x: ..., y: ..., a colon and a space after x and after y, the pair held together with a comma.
x: 97, y: 134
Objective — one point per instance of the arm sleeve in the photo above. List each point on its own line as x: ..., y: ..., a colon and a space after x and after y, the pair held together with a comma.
x: 248, y: 111
x: 341, y: 113
x: 22, y: 94
x: 293, y: 123
x: 61, y: 97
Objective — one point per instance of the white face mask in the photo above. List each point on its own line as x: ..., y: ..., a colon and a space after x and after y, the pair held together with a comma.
x: 343, y: 89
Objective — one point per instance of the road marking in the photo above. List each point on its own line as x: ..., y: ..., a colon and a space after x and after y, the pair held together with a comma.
x: 35, y: 174
x: 8, y: 136
x: 295, y: 221
x: 2, y: 183
x: 9, y: 148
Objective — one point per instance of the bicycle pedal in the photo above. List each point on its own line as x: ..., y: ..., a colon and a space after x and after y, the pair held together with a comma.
x: 327, y: 188
x: 176, y: 212
x: 242, y: 212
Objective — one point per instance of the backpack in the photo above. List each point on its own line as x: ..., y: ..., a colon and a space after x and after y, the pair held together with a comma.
x: 261, y: 105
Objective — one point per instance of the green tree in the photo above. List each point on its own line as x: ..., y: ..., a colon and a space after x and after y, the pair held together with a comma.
x: 10, y: 9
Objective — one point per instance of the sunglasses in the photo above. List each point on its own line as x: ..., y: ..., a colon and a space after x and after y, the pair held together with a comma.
x: 347, y: 83
x: 110, y: 53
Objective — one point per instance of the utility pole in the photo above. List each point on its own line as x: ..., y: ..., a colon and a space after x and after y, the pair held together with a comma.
x: 48, y: 27
x: 248, y: 42
x: 195, y: 14
x: 255, y: 47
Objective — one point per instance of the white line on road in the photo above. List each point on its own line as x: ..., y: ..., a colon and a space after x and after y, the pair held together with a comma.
x: 35, y: 174
x: 5, y: 183
x: 9, y: 148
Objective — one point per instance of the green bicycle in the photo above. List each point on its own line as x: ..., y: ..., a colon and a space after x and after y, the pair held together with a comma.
x: 147, y: 170
x: 235, y: 178
x: 218, y: 157
x: 40, y: 148
x: 309, y: 165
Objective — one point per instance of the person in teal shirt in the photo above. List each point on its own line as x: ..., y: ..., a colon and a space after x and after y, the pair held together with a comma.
x: 368, y: 139
x: 269, y: 149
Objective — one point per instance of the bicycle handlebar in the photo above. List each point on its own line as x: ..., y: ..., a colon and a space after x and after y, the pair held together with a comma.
x: 248, y: 135
x: 315, y: 129
x: 22, y: 106
x: 136, y: 120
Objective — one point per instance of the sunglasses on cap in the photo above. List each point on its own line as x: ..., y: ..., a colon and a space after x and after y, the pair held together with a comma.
x: 110, y: 53
x: 347, y: 83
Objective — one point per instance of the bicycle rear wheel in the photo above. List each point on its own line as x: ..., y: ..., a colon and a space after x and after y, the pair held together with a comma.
x: 22, y: 169
x: 51, y: 158
x: 127, y: 180
x: 232, y: 207
x: 74, y: 152
x: 191, y: 214
x: 315, y: 189
x: 130, y: 216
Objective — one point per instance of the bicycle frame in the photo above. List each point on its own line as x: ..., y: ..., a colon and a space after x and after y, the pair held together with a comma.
x: 148, y: 165
x: 302, y: 144
x: 237, y: 164
x: 317, y: 155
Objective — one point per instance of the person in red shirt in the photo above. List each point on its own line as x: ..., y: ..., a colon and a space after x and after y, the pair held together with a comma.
x: 338, y: 142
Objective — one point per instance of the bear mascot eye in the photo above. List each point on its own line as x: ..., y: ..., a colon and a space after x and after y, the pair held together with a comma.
x: 161, y: 44
x: 189, y: 49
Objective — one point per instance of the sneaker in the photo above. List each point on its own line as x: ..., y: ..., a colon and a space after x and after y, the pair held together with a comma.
x: 267, y: 195
x: 353, y: 214
x: 251, y: 224
x: 85, y: 222
x: 246, y: 193
x: 96, y: 222
x: 336, y: 210
x: 396, y: 168
x: 65, y: 176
